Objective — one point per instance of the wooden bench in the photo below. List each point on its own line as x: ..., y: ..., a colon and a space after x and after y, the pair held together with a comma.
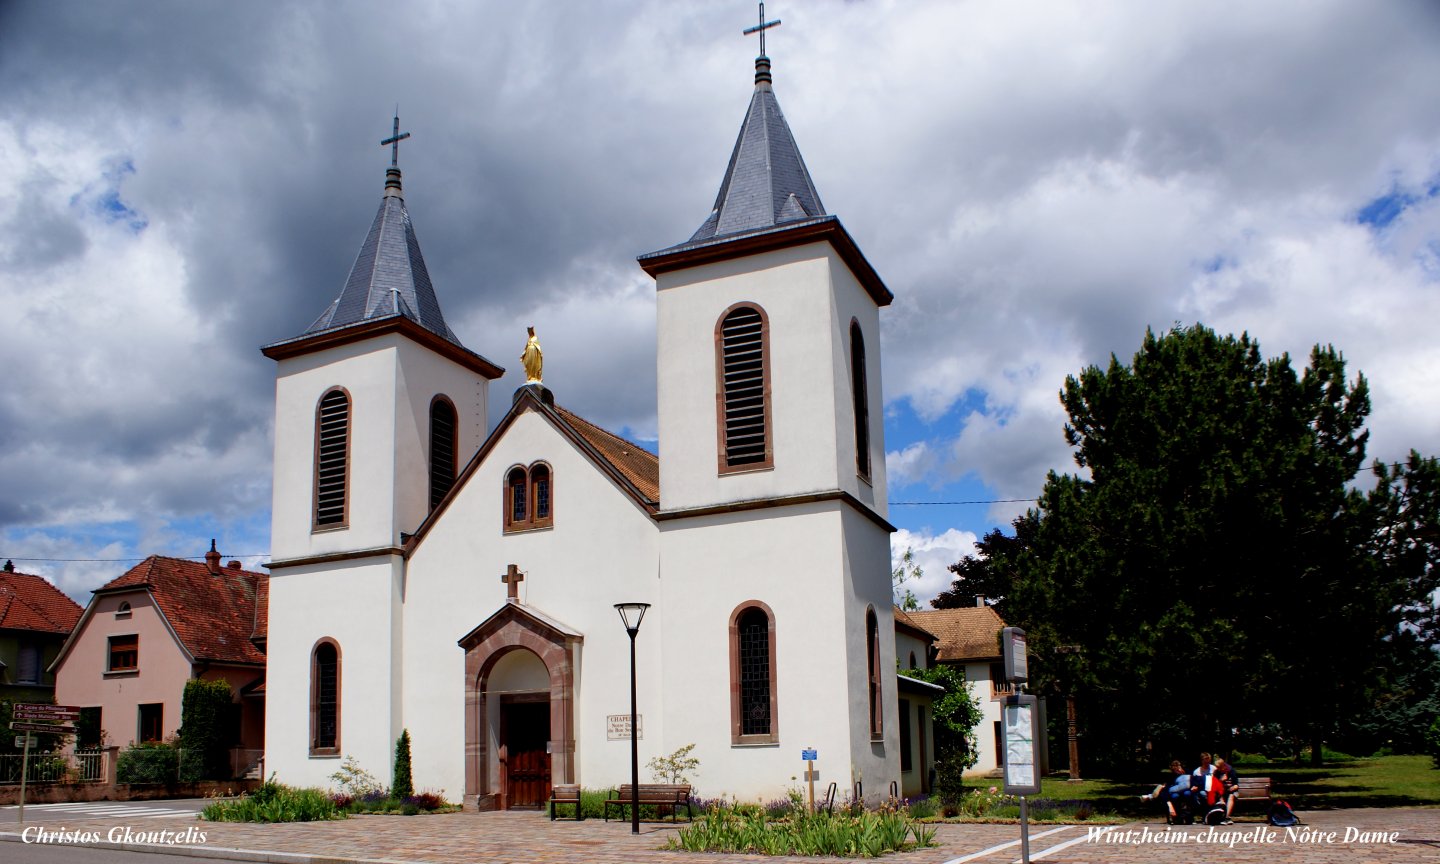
x: 657, y: 794
x: 1253, y: 789
x: 566, y: 795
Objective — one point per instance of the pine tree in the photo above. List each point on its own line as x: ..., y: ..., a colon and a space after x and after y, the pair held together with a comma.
x: 403, y: 786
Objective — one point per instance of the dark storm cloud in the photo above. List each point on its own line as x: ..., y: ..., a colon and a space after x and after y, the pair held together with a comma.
x: 183, y: 182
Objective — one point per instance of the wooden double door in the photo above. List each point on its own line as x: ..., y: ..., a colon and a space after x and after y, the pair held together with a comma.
x: 525, y: 734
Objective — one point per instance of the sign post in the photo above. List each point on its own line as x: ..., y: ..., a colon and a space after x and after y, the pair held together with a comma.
x: 1021, y: 729
x: 30, y: 717
x: 809, y: 755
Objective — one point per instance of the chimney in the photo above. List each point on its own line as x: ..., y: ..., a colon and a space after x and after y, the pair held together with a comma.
x: 212, y: 559
x: 979, y: 599
x: 234, y: 564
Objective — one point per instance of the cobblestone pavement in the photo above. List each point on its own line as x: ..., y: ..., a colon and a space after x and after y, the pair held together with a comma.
x: 1393, y: 836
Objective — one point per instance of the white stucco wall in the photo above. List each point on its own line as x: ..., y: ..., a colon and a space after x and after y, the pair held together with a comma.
x: 391, y: 381
x: 977, y: 678
x: 356, y: 604
x: 795, y: 288
x: 601, y: 550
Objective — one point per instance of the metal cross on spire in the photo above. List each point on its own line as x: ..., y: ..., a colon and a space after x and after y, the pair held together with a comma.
x: 759, y: 28
x: 394, y: 141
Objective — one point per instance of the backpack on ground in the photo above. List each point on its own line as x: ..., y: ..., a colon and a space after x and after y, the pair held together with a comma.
x: 1282, y: 816
x: 1215, y: 816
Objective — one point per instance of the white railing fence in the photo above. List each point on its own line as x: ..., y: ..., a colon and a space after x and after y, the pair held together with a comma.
x: 84, y: 766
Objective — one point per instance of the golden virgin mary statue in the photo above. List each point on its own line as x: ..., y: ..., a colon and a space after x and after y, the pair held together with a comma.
x: 533, y: 359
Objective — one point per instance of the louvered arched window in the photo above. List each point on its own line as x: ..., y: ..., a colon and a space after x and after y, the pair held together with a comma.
x: 753, y: 691
x: 325, y: 698
x: 442, y: 449
x: 742, y: 397
x: 332, y: 459
x: 860, y: 399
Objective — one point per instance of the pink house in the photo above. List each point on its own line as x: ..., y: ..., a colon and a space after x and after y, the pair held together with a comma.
x: 145, y: 634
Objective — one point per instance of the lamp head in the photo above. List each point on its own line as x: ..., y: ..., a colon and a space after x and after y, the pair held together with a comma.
x: 632, y: 614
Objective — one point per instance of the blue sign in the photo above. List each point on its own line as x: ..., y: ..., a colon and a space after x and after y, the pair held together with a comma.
x: 808, y: 755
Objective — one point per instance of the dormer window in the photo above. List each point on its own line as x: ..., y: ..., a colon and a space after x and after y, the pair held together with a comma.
x: 529, y: 497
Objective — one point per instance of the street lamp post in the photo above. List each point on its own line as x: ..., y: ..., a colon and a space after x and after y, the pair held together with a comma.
x: 632, y: 614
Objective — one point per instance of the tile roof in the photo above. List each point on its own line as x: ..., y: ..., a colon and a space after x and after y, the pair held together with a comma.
x: 30, y: 602
x: 389, y: 277
x: 970, y: 633
x: 638, y: 465
x: 903, y: 619
x: 215, y: 616
x: 766, y: 183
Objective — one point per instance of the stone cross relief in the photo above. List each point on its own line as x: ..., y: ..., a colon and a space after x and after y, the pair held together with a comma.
x: 512, y: 579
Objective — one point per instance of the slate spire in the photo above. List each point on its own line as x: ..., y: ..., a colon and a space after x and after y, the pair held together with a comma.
x: 766, y: 183
x: 389, y: 277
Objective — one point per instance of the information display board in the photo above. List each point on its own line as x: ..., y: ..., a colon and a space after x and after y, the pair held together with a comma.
x: 1012, y: 649
x: 1021, y: 728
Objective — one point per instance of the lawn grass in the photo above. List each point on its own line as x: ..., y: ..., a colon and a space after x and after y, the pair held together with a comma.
x: 1380, y: 781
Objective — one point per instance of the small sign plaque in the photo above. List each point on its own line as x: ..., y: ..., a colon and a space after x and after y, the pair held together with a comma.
x: 809, y: 755
x: 617, y: 727
x: 1012, y: 648
x: 22, y: 741
x: 37, y: 711
x: 53, y: 728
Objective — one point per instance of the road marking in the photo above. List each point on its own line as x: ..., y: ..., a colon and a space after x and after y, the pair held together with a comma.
x: 105, y: 809
x: 1085, y: 838
x: 993, y: 849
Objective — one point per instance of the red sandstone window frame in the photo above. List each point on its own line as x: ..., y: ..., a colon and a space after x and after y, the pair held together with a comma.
x: 316, y: 748
x: 737, y: 736
x: 344, y: 520
x: 723, y: 465
x: 527, y: 479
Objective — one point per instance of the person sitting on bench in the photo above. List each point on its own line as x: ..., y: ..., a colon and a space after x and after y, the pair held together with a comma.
x: 1176, y: 791
x: 1230, y: 783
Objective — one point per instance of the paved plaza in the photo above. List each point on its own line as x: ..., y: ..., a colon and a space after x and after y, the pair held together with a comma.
x: 530, y: 838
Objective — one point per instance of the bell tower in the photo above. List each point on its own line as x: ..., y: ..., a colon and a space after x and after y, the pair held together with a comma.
x: 377, y: 407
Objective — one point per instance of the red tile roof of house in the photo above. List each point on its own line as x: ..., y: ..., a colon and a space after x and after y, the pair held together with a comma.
x: 31, y: 603
x: 215, y: 616
x: 969, y: 633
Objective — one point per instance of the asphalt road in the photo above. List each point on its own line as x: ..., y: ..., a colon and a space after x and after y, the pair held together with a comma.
x: 35, y: 853
x: 127, y: 812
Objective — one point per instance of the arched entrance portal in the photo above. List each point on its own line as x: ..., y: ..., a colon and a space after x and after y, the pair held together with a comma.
x: 519, y: 708
x: 517, y: 703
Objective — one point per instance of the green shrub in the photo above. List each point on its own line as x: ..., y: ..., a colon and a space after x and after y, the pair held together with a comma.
x: 403, y: 785
x: 207, y: 729
x: 851, y: 835
x: 150, y: 762
x: 275, y: 802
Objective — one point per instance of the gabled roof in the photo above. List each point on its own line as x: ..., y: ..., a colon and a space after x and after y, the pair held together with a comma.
x: 903, y: 621
x: 511, y: 610
x: 970, y: 633
x: 213, y: 615
x: 633, y: 468
x: 30, y: 602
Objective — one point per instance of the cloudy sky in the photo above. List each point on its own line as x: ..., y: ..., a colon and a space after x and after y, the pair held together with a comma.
x: 181, y: 183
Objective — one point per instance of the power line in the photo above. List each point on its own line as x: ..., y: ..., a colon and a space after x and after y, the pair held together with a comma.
x: 937, y: 503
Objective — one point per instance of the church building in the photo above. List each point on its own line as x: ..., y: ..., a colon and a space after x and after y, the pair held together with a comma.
x: 429, y: 576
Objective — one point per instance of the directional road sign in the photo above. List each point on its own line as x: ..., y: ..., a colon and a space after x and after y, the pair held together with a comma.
x: 53, y: 728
